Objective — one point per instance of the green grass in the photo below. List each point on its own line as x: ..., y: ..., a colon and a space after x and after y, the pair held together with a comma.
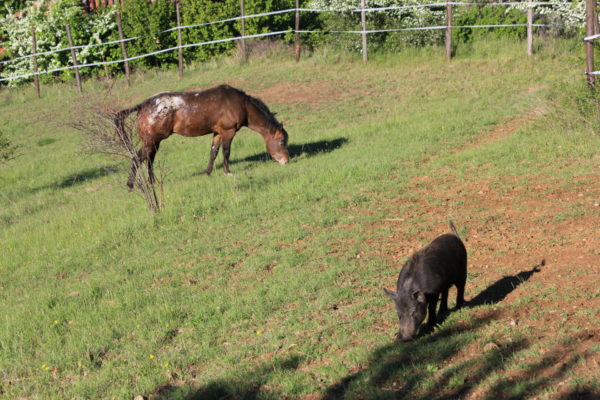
x: 252, y: 285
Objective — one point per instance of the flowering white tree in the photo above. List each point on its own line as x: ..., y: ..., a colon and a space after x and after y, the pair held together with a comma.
x: 406, y: 18
x: 49, y: 21
x: 560, y: 15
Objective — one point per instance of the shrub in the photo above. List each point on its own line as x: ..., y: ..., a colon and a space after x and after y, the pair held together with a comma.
x: 147, y: 21
x: 488, y: 15
x: 202, y: 11
x: 7, y: 150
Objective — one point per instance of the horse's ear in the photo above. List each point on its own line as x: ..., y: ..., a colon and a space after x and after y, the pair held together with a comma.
x: 390, y: 293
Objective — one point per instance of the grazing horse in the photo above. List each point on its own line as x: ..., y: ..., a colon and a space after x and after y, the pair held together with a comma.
x: 221, y: 110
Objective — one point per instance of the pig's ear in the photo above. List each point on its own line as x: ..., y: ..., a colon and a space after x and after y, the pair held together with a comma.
x: 390, y: 293
x: 419, y: 296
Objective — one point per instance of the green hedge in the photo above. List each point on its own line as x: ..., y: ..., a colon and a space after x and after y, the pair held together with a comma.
x: 488, y: 15
x: 147, y: 20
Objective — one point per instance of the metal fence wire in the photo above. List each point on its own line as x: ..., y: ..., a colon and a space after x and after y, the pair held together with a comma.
x: 363, y: 31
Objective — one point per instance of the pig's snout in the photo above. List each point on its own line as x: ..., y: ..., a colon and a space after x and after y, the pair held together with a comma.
x: 404, y: 337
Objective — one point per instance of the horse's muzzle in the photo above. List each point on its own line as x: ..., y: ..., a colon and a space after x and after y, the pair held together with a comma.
x: 281, y: 160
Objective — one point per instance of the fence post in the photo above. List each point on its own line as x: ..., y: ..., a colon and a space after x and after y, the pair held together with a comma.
x: 123, y: 48
x: 179, y: 50
x: 363, y: 21
x: 74, y: 57
x: 590, y: 6
x: 448, y: 30
x: 296, y: 34
x: 530, y: 30
x: 242, y: 40
x: 36, y: 78
x: 596, y: 25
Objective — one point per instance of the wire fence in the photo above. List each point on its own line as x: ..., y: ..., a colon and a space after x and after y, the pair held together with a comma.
x: 528, y: 5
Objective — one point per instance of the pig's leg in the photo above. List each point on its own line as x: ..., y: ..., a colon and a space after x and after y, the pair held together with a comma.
x: 460, y: 284
x: 460, y: 295
x: 431, y: 305
x: 444, y: 302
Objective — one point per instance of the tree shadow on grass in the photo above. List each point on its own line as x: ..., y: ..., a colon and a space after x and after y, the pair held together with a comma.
x: 436, y: 365
x: 400, y: 369
x: 78, y: 178
x: 248, y: 385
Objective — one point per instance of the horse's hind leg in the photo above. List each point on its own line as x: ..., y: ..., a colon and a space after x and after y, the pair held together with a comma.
x: 135, y: 165
x: 214, y: 150
x: 147, y: 154
x: 150, y: 154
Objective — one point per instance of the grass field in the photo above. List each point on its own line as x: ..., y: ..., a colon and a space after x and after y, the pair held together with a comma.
x: 268, y: 284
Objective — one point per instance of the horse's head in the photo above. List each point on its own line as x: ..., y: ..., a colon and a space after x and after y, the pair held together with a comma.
x: 277, y: 145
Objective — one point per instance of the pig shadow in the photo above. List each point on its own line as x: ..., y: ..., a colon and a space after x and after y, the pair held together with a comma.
x: 493, y: 294
x: 502, y: 287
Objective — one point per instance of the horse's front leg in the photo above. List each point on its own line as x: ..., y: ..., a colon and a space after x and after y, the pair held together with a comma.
x: 214, y: 150
x: 227, y: 139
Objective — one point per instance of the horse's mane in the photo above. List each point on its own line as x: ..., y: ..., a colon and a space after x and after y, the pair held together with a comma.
x: 270, y: 116
x: 271, y: 121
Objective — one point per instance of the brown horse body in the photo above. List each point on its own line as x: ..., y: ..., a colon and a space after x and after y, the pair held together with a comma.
x: 222, y: 110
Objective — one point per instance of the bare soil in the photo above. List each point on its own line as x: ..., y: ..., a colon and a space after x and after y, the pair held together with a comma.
x: 541, y: 230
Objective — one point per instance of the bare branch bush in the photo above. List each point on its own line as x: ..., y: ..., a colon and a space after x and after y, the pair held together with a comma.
x: 7, y: 149
x: 106, y: 133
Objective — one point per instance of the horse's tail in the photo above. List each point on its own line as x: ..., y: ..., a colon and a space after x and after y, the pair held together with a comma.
x: 453, y: 229
x: 119, y: 123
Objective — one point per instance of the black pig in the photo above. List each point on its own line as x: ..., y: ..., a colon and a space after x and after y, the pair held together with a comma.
x: 429, y: 272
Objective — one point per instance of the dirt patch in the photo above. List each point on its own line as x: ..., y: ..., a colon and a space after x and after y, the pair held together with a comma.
x: 300, y: 93
x: 509, y: 225
x: 289, y: 93
x: 507, y: 128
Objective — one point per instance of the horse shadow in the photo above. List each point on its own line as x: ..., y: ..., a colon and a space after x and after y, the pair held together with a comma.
x: 297, y: 150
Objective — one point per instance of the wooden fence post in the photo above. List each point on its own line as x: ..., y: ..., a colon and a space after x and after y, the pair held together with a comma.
x: 242, y: 40
x: 590, y: 6
x: 448, y: 30
x: 530, y: 30
x: 74, y: 57
x: 123, y: 48
x: 179, y: 50
x: 296, y: 34
x: 36, y: 78
x: 363, y: 21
